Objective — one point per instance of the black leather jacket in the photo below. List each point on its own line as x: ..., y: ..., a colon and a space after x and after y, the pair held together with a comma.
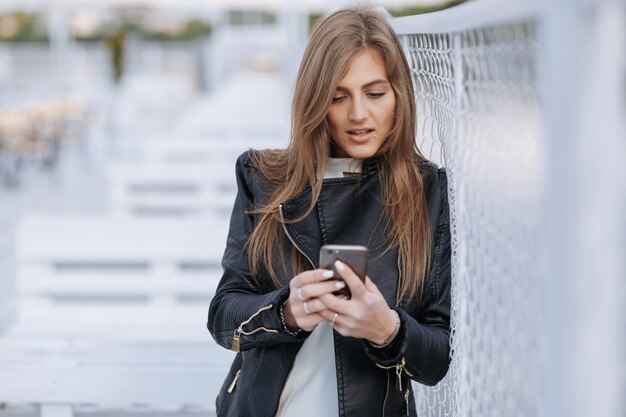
x: 370, y: 381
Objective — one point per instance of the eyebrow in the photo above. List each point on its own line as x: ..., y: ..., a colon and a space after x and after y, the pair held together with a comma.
x: 371, y: 83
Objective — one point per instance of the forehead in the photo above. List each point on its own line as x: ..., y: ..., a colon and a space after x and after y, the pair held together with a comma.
x: 365, y: 66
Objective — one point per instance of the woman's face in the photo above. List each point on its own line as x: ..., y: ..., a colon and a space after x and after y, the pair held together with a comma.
x: 361, y: 114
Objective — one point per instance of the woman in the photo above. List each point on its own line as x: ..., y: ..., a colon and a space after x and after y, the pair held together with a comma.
x: 350, y: 175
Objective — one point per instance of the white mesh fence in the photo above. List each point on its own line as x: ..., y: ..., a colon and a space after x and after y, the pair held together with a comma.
x: 533, y: 260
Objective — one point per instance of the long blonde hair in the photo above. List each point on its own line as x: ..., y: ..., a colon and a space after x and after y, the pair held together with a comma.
x: 334, y: 41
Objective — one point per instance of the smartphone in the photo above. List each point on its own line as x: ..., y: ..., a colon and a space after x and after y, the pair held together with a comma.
x: 355, y: 256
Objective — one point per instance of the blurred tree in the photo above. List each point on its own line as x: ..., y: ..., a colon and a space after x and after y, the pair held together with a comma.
x: 116, y: 44
x: 23, y: 27
x: 410, y: 11
x: 313, y: 18
x: 406, y: 11
x: 193, y: 29
x: 247, y: 17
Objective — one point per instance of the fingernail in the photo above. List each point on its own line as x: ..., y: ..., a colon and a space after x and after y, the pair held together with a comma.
x: 340, y: 266
x: 328, y: 274
x: 340, y: 284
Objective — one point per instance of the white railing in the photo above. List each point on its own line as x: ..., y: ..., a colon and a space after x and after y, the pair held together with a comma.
x: 523, y: 103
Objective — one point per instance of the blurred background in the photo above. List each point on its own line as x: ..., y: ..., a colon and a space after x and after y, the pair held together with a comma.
x: 120, y: 124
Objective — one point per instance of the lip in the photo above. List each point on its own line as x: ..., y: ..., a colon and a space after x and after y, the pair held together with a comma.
x: 360, y: 137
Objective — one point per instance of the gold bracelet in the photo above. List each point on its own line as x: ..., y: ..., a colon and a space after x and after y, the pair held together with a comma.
x: 392, y: 336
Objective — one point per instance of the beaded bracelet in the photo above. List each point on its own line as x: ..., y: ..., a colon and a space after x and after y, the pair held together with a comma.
x: 282, y: 321
x: 392, y: 336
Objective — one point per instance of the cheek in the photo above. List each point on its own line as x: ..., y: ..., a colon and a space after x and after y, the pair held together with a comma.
x: 333, y: 120
x: 390, y: 112
x: 331, y: 117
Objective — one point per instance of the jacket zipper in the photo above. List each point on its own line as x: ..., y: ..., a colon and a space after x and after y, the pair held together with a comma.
x: 398, y: 301
x: 231, y: 387
x: 239, y: 331
x: 399, y: 375
x: 398, y: 368
x: 282, y: 220
x: 406, y: 400
x: 295, y: 245
x: 386, y: 393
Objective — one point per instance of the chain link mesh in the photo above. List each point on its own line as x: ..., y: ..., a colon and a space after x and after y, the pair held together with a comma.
x: 478, y: 115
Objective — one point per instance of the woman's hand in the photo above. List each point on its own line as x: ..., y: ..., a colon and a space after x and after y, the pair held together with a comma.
x: 365, y: 316
x: 304, y: 309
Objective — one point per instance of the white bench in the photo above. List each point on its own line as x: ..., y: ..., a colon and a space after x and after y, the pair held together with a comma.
x: 194, y: 152
x: 139, y: 345
x: 98, y: 258
x: 61, y: 374
x: 151, y: 190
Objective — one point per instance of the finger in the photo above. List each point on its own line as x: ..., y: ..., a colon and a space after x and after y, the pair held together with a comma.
x: 311, y: 306
x: 309, y: 322
x: 310, y: 277
x: 316, y: 289
x: 354, y: 282
x: 339, y: 323
x: 336, y: 304
x: 370, y: 285
x: 329, y: 315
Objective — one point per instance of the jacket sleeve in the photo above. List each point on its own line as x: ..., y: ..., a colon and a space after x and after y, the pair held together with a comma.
x: 422, y: 346
x: 239, y: 305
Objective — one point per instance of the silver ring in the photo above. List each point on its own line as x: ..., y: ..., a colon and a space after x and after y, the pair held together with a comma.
x: 332, y: 322
x: 306, y: 308
x: 299, y: 294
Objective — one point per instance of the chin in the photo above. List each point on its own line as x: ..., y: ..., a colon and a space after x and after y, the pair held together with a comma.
x: 361, y: 153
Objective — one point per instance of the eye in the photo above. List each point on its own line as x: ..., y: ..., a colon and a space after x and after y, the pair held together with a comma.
x: 338, y: 99
x: 376, y: 95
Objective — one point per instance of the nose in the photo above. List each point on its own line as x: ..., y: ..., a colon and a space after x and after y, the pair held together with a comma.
x: 358, y: 111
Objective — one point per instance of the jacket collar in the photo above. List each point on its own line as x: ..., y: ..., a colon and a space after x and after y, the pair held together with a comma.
x: 296, y: 206
x: 370, y: 165
x: 308, y: 234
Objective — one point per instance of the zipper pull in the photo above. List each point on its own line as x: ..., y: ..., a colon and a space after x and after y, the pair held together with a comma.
x: 231, y: 387
x: 235, y: 346
x: 399, y: 375
x: 239, y: 331
x: 406, y: 400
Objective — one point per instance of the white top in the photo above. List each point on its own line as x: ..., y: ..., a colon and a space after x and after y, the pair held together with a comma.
x: 336, y: 167
x: 311, y: 387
